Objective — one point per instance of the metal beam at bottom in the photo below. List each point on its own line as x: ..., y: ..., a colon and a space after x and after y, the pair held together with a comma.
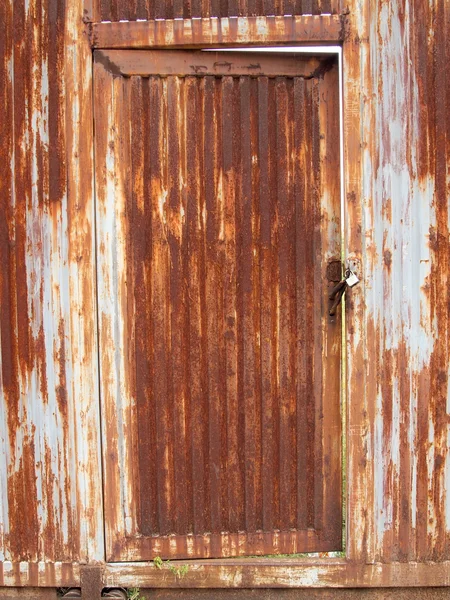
x: 284, y: 574
x: 305, y: 594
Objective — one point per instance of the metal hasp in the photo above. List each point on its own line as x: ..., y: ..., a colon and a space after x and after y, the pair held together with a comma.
x: 339, y: 290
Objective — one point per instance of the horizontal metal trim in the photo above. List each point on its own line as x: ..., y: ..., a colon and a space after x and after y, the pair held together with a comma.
x: 197, y: 63
x: 236, y: 573
x: 211, y: 32
x: 273, y: 573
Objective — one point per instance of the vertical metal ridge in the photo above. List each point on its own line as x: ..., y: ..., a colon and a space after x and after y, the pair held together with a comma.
x: 307, y: 7
x: 316, y: 7
x: 256, y: 294
x: 195, y: 10
x: 325, y: 6
x: 274, y: 305
x: 292, y: 305
x: 335, y: 6
x: 213, y: 287
x: 284, y: 315
x: 268, y: 7
x: 136, y: 276
x: 230, y: 290
x: 246, y: 288
x: 213, y: 209
x: 193, y: 269
x: 240, y: 305
x: 230, y: 8
x: 150, y: 108
x: 144, y: 332
x: 161, y: 306
x: 115, y: 14
x: 209, y: 300
x: 266, y: 362
x: 159, y: 9
x: 150, y: 4
x: 229, y: 283
x: 288, y: 7
x: 190, y: 106
x: 425, y: 167
x: 178, y: 8
x: 176, y: 241
x: 309, y: 309
x: 112, y: 10
x: 197, y: 304
x: 165, y: 299
x: 141, y: 11
x: 223, y: 208
x: 317, y: 287
x: 301, y: 289
x: 22, y: 503
x: 404, y: 444
x: 211, y: 7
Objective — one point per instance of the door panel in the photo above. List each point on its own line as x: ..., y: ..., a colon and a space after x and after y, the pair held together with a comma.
x: 217, y: 214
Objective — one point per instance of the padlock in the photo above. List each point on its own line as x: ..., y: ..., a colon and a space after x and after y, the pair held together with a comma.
x: 350, y: 278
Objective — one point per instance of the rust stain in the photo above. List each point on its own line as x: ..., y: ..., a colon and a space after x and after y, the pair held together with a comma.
x: 23, y: 537
x: 209, y: 32
x: 405, y: 142
x: 40, y: 458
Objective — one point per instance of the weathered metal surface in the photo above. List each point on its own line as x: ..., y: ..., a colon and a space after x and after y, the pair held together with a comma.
x: 91, y: 580
x: 237, y: 573
x: 232, y: 64
x: 47, y: 349
x: 132, y: 10
x: 280, y: 573
x: 28, y: 594
x: 39, y: 574
x: 397, y: 201
x: 225, y: 31
x: 218, y: 209
x: 396, y: 93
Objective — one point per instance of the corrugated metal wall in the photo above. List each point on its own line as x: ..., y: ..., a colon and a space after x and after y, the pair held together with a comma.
x: 405, y: 240
x: 47, y: 371
x: 117, y: 10
x: 45, y: 506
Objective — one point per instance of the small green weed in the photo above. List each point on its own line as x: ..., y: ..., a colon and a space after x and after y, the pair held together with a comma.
x: 178, y: 571
x: 134, y: 594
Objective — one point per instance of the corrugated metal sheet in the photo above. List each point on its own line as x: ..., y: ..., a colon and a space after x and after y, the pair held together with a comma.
x: 399, y: 369
x: 218, y: 208
x: 131, y: 10
x: 42, y: 495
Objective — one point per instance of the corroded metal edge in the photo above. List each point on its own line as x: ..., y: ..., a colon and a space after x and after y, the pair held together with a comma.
x: 214, y: 31
x: 238, y: 573
x: 130, y: 10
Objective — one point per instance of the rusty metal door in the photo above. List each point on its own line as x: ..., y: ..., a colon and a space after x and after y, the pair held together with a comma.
x: 218, y: 210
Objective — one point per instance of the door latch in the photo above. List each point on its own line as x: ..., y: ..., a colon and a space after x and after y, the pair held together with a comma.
x: 335, y: 295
